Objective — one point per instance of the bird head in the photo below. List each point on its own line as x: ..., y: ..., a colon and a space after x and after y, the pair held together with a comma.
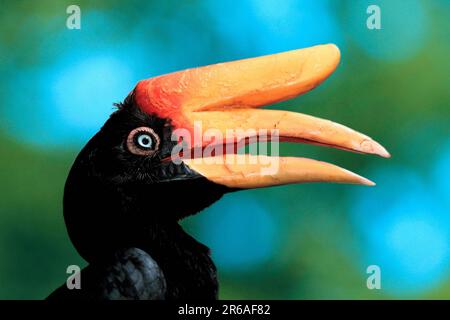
x: 171, y: 148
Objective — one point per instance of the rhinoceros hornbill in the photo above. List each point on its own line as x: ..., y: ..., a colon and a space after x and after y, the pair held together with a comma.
x: 128, y: 190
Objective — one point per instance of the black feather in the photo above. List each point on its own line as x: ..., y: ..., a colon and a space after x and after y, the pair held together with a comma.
x: 115, y: 200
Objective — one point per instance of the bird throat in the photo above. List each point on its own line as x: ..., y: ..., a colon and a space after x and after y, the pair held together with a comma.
x: 101, y: 220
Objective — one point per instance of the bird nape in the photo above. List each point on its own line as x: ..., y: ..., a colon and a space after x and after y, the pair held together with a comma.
x: 127, y: 189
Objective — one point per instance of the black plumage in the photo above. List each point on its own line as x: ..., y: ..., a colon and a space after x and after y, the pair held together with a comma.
x: 125, y: 194
x: 128, y: 274
x: 115, y: 200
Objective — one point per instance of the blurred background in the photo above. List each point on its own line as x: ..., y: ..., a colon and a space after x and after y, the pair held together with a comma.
x: 305, y: 241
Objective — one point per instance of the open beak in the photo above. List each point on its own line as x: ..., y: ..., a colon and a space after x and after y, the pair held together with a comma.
x: 224, y: 98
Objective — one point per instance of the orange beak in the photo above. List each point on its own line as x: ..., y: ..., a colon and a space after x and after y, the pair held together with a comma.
x: 224, y: 98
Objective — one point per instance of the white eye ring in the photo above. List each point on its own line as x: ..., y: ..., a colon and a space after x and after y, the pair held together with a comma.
x: 145, y: 141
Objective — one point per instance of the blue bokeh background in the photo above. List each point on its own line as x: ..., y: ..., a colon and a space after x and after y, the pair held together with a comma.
x: 304, y: 241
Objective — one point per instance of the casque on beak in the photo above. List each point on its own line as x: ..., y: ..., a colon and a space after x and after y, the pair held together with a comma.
x: 224, y: 97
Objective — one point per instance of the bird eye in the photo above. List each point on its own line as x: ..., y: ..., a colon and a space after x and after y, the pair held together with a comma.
x: 143, y: 141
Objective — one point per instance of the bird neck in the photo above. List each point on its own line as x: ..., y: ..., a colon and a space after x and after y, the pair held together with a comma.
x: 186, y: 263
x: 101, y: 219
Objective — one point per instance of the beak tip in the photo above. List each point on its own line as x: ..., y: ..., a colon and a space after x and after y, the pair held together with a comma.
x: 384, y: 153
x: 335, y: 48
x: 331, y: 54
x: 363, y: 181
x: 373, y: 147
